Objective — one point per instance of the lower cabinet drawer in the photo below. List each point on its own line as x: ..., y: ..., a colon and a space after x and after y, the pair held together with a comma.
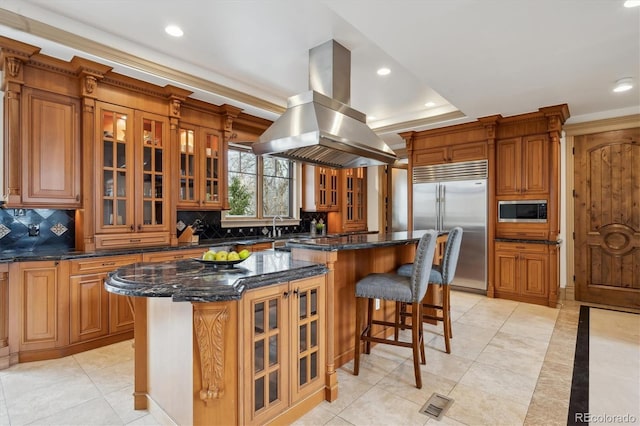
x: 101, y: 264
x: 132, y: 240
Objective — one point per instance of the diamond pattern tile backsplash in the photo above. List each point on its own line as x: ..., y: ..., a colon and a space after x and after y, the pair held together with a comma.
x: 56, y: 229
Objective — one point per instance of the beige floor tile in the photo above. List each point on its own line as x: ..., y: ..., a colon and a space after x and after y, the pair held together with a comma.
x: 485, y: 318
x: 532, y: 327
x: 500, y: 382
x: 402, y: 382
x: 106, y: 356
x: 350, y: 388
x: 474, y: 407
x: 374, y: 367
x: 317, y: 416
x: 114, y: 377
x: 121, y: 401
x: 46, y: 401
x: 379, y: 407
x: 521, y: 344
x: 445, y: 421
x: 4, y: 414
x: 520, y: 363
x: 338, y: 421
x: 445, y: 365
x: 147, y: 420
x: 94, y: 412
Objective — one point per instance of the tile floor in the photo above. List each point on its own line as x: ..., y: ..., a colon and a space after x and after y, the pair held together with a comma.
x: 511, y: 364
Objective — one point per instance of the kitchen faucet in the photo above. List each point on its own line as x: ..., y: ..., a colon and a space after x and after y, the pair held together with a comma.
x: 273, y: 233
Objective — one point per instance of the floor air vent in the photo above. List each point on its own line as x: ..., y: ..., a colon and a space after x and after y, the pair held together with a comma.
x: 436, y: 406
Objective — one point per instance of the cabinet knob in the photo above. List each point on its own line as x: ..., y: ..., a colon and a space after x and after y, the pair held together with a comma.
x: 139, y: 227
x: 131, y: 227
x: 285, y: 294
x: 77, y: 197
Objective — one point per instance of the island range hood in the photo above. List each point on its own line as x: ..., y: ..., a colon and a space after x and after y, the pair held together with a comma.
x: 319, y: 126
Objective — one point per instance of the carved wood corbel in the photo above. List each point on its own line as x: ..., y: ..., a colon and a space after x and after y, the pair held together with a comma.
x: 209, y: 325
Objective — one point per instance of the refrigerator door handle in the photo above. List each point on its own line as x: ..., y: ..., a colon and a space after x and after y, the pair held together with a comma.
x: 437, y: 207
x: 442, y: 205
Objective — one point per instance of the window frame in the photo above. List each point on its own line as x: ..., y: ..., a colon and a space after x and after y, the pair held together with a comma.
x: 229, y: 221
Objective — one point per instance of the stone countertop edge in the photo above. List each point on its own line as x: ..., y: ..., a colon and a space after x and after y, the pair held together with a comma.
x: 189, y: 281
x: 362, y: 241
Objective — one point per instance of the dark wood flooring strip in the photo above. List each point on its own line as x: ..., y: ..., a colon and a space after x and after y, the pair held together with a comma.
x: 579, y: 400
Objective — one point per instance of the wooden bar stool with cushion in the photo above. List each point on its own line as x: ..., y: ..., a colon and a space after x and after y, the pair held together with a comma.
x: 441, y: 275
x: 401, y: 289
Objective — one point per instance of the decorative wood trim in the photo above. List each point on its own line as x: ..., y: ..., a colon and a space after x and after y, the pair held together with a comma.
x: 209, y: 326
x: 605, y: 125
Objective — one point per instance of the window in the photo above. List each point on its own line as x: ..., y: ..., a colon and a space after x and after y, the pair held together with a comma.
x: 259, y: 187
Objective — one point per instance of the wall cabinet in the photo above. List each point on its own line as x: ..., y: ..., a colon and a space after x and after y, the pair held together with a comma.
x: 525, y: 272
x: 522, y: 165
x: 201, y: 161
x: 4, y: 315
x: 321, y: 188
x: 352, y: 216
x: 451, y: 154
x: 132, y: 178
x: 284, y: 347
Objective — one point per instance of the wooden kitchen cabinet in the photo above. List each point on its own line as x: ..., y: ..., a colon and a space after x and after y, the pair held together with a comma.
x: 354, y: 202
x: 525, y: 272
x: 173, y: 255
x: 451, y: 153
x: 522, y: 166
x: 94, y: 312
x: 321, y: 188
x: 38, y: 307
x: 4, y: 315
x: 132, y: 178
x: 284, y: 347
x: 201, y: 171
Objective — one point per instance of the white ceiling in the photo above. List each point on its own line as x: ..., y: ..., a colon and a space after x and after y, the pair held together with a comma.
x: 473, y: 57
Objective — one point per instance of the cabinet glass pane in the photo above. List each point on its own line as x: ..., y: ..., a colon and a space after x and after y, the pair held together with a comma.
x: 258, y: 314
x: 146, y: 159
x: 259, y: 394
x: 108, y: 153
x: 314, y: 365
x: 273, y: 386
x: 314, y: 333
x: 107, y: 212
x: 303, y: 338
x: 258, y: 350
x: 121, y: 155
x: 302, y: 375
x: 303, y: 305
x: 273, y: 350
x: 147, y: 212
x: 314, y: 302
x: 158, y: 213
x: 122, y: 212
x: 121, y: 184
x: 273, y: 314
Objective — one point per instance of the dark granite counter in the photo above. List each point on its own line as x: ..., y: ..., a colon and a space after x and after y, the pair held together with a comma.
x: 192, y: 281
x: 358, y: 241
x: 520, y: 240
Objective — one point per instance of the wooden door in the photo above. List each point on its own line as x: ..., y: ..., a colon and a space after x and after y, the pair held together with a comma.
x: 534, y: 273
x: 506, y: 274
x: 121, y: 314
x: 607, y: 218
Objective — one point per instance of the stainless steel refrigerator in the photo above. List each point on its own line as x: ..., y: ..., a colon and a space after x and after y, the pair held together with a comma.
x: 455, y: 194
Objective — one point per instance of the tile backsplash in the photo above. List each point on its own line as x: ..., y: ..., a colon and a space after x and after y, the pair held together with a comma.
x: 33, y: 229
x: 211, y: 228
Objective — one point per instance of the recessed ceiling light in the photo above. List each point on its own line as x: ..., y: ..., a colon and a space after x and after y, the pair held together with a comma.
x: 174, y: 30
x: 384, y: 71
x: 371, y: 117
x: 623, y: 85
x: 430, y: 104
x: 632, y: 3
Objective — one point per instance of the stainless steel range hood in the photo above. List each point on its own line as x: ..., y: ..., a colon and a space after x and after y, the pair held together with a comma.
x: 318, y: 126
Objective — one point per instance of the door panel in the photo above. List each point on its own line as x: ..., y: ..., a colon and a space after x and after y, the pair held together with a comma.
x: 607, y: 206
x: 424, y: 206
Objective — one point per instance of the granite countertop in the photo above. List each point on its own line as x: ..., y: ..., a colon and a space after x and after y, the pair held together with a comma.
x: 359, y: 241
x: 520, y: 240
x: 192, y: 281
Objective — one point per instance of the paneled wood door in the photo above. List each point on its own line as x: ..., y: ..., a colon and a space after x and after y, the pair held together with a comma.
x: 607, y: 221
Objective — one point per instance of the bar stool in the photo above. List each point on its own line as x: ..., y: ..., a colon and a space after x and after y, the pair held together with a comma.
x: 441, y: 276
x: 401, y: 289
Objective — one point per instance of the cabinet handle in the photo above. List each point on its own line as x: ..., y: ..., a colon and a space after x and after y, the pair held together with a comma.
x: 108, y: 263
x: 296, y: 292
x: 131, y: 227
x: 285, y: 294
x: 139, y: 227
x: 520, y: 247
x: 135, y: 241
x: 178, y: 256
x: 77, y: 197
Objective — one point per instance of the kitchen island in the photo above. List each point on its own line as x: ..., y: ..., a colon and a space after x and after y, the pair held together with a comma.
x: 244, y: 345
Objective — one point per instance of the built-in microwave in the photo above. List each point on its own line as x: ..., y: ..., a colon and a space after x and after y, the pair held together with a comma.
x: 534, y: 211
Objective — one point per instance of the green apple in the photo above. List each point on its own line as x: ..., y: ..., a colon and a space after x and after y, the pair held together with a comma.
x: 244, y: 254
x: 233, y: 255
x: 209, y: 255
x: 221, y: 255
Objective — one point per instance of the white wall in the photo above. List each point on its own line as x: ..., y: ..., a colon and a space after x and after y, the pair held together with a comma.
x: 563, y: 211
x: 374, y: 192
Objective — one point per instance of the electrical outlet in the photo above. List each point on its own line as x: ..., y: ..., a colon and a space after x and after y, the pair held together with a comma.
x: 377, y: 304
x: 34, y: 230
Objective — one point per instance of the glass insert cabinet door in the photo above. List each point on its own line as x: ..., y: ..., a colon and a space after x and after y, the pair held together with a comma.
x: 200, y: 163
x: 153, y: 172
x: 115, y: 208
